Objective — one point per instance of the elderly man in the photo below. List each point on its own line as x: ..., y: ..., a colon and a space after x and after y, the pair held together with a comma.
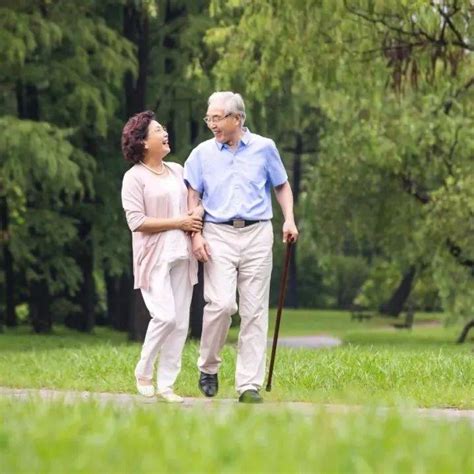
x: 232, y: 174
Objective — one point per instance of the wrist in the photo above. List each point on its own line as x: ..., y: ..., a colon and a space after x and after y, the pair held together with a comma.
x: 180, y: 222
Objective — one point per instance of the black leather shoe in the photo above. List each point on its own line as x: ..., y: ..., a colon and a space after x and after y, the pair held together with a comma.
x: 208, y: 384
x: 250, y: 396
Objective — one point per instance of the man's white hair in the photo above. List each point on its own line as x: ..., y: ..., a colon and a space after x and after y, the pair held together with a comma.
x: 231, y: 102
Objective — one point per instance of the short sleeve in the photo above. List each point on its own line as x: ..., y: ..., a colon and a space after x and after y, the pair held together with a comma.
x: 275, y: 170
x: 193, y: 172
x: 132, y: 201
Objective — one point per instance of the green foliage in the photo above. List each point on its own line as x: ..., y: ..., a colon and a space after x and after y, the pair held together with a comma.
x: 66, y: 66
x: 380, y: 109
x: 39, y: 174
x: 379, y: 285
x: 344, y: 278
x: 25, y: 33
x: 37, y: 153
x: 394, y: 163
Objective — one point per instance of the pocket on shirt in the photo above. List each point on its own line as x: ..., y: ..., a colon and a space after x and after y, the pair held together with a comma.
x: 256, y: 175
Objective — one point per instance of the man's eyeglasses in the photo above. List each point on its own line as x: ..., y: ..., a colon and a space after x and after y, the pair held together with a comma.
x: 215, y: 119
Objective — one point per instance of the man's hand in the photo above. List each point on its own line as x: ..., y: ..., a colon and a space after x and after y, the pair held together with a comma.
x: 290, y: 232
x: 200, y: 248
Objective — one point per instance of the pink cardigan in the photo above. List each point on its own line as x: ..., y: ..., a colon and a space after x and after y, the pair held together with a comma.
x: 139, y: 201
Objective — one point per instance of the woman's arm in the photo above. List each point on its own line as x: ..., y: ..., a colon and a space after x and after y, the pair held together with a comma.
x: 192, y: 223
x: 132, y: 202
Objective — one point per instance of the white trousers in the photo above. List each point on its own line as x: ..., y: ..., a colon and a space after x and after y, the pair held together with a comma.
x: 241, y: 259
x: 168, y: 300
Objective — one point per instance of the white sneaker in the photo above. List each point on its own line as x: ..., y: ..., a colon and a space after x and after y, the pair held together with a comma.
x: 171, y: 397
x: 146, y: 390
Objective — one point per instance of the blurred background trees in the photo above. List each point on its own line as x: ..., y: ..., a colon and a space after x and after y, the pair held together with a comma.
x: 369, y: 102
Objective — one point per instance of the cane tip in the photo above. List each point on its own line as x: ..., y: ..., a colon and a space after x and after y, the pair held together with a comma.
x: 268, y: 388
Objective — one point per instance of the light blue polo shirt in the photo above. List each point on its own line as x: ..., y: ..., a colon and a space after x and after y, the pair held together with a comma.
x: 236, y: 184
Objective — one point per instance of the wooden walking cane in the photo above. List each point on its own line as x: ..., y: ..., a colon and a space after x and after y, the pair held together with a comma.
x: 281, y: 300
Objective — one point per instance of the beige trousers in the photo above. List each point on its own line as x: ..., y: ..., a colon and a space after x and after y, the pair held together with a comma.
x: 168, y: 300
x: 241, y: 259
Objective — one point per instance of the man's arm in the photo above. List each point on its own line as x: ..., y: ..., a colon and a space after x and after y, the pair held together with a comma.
x: 284, y: 196
x: 200, y: 247
x: 194, y: 202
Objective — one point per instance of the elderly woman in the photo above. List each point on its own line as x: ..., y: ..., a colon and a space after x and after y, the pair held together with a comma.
x: 154, y: 198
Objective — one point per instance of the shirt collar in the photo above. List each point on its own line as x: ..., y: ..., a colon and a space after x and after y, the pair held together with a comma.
x: 244, y: 140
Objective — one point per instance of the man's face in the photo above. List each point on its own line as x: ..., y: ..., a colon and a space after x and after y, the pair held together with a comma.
x: 225, y: 127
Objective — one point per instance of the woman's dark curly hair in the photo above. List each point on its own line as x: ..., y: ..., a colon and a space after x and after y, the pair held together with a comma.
x: 134, y: 134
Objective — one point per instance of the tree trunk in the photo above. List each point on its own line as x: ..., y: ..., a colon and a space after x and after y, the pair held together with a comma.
x: 27, y: 101
x: 141, y: 318
x: 136, y: 30
x: 197, y: 305
x: 394, y: 306
x: 40, y: 313
x: 86, y: 297
x: 87, y: 293
x: 292, y: 293
x: 9, y: 286
x: 463, y: 336
x: 119, y: 301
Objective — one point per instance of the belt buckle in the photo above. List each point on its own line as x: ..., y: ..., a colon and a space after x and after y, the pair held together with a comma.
x: 238, y: 223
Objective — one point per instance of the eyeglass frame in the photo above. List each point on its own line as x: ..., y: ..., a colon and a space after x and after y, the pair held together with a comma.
x: 209, y: 120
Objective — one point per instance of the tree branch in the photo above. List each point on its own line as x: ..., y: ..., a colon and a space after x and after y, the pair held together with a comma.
x: 448, y: 160
x: 413, y: 188
x: 448, y: 103
x: 416, y: 31
x: 375, y: 20
x: 447, y: 19
x: 456, y: 252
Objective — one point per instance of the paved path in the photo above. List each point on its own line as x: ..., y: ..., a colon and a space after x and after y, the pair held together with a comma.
x: 305, y: 408
x: 312, y: 342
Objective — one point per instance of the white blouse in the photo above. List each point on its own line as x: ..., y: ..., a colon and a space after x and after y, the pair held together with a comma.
x: 175, y: 245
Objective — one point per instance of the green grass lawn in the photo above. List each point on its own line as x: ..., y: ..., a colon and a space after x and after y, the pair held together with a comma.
x: 339, y: 323
x: 377, y: 364
x: 51, y: 437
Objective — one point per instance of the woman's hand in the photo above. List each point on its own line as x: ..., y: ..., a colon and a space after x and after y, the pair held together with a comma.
x: 191, y: 223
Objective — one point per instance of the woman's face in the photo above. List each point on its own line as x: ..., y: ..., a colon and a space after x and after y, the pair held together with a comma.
x: 156, y: 143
